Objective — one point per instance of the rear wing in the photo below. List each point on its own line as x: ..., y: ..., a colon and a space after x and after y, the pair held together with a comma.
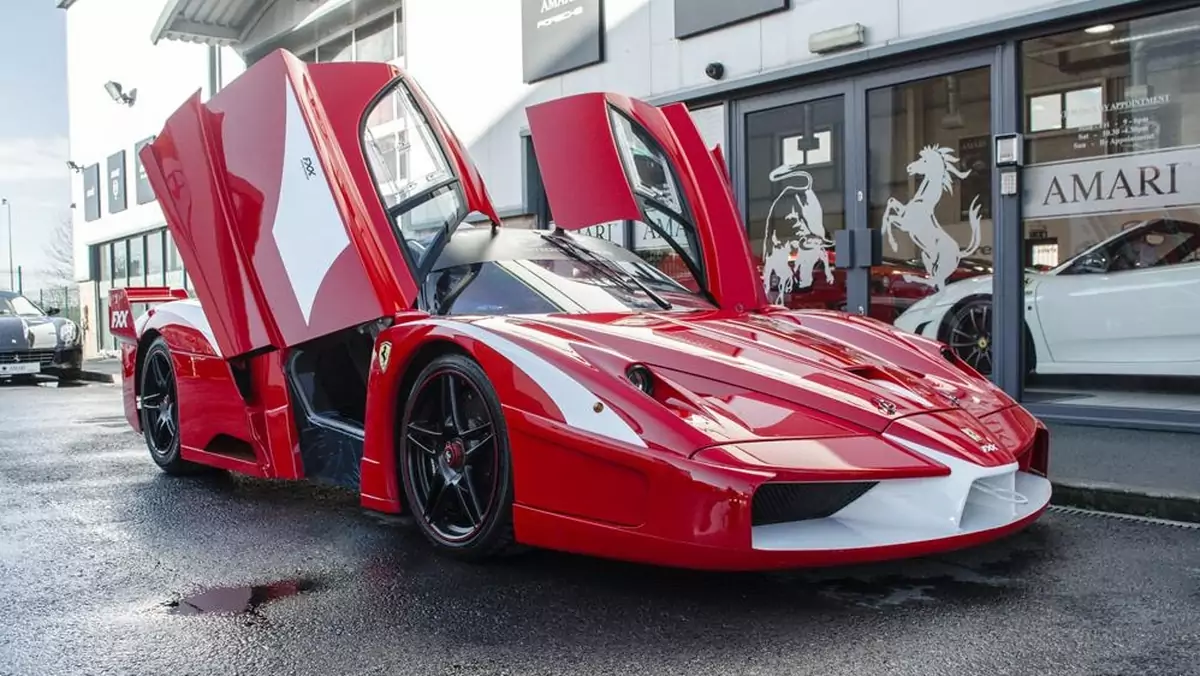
x: 121, y: 302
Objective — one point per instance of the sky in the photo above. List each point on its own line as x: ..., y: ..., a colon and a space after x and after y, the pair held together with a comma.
x: 33, y: 131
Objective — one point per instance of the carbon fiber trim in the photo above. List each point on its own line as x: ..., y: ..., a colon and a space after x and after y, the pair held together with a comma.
x: 787, y: 502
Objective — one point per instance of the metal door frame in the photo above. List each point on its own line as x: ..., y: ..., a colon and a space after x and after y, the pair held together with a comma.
x: 857, y: 280
x: 1008, y: 318
x: 1005, y: 110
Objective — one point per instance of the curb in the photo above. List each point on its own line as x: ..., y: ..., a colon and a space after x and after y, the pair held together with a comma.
x: 99, y: 377
x: 1105, y: 497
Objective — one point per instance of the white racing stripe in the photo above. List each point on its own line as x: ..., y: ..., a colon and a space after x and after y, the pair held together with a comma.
x: 572, y: 398
x: 307, y: 225
x: 190, y: 314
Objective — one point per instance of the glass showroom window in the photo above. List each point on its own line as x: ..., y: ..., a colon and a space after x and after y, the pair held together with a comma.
x: 930, y: 194
x: 1111, y: 213
x: 795, y: 200
x: 154, y: 258
x: 380, y: 39
x: 105, y: 254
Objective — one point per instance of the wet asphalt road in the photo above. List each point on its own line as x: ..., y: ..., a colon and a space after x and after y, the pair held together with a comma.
x: 97, y: 549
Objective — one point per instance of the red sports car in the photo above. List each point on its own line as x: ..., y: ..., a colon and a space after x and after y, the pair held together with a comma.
x: 534, y: 387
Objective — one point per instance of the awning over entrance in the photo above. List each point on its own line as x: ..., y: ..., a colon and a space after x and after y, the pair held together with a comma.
x: 210, y: 22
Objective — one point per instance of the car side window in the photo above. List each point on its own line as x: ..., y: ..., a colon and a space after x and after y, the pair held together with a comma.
x: 665, y: 238
x: 1163, y: 244
x: 411, y: 171
x: 483, y: 289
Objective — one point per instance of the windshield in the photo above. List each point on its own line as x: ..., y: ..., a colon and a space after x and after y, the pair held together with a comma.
x: 534, y: 272
x: 18, y: 305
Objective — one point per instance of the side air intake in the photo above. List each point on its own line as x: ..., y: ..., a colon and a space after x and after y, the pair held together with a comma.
x: 786, y: 502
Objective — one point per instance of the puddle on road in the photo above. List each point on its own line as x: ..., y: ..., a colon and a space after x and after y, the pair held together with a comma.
x: 237, y: 600
x: 991, y: 571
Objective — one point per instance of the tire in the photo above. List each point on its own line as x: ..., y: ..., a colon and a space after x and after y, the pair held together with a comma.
x: 160, y: 421
x: 456, y: 471
x: 979, y: 308
x: 70, y: 376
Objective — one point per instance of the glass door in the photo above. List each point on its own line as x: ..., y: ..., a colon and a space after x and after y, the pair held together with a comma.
x: 794, y: 181
x: 929, y: 193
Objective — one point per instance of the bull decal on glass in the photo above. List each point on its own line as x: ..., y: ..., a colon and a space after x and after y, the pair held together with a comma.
x: 794, y: 240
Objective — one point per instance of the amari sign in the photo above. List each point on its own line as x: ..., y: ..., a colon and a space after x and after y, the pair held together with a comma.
x: 1154, y: 180
x: 693, y: 17
x: 558, y: 36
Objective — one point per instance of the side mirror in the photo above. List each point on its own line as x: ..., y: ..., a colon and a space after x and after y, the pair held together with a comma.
x: 1093, y: 264
x: 51, y: 311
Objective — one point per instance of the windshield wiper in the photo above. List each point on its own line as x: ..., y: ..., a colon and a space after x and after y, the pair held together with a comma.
x: 613, y: 272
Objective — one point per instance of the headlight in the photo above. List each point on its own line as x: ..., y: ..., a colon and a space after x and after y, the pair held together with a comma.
x: 68, y: 333
x: 640, y: 377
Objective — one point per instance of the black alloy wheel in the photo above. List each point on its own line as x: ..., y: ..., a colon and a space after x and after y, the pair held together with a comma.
x: 969, y: 334
x: 159, y: 411
x: 454, y: 460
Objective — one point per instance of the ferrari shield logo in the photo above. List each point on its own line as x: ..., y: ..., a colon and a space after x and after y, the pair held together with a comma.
x: 385, y: 351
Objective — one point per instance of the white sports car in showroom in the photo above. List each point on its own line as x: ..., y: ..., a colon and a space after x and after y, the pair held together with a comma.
x: 1126, y: 306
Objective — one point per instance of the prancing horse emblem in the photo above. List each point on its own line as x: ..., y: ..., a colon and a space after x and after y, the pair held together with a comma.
x: 385, y: 351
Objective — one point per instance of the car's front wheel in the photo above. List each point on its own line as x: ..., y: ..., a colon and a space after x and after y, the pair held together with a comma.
x: 159, y: 411
x: 454, y: 460
x: 967, y: 329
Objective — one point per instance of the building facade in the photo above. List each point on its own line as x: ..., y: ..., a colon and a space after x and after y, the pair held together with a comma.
x: 1016, y: 179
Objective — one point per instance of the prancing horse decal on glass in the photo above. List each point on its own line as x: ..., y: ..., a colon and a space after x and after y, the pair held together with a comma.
x: 794, y: 240
x: 939, y: 251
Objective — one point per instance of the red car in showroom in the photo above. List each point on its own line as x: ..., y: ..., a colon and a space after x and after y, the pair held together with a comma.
x: 536, y: 387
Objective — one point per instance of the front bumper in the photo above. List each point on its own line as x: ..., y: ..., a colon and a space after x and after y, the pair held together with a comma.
x: 700, y: 513
x: 55, y: 362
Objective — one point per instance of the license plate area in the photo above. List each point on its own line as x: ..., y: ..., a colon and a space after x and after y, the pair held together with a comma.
x: 19, y: 369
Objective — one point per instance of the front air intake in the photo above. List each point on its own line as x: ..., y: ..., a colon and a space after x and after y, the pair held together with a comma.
x: 786, y: 502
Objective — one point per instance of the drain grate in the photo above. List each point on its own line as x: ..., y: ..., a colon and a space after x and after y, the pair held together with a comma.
x: 1078, y: 511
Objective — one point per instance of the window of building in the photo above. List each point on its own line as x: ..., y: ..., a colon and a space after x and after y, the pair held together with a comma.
x: 105, y: 271
x: 380, y: 40
x: 137, y: 261
x: 929, y: 181
x: 376, y: 41
x: 795, y: 201
x: 120, y: 251
x: 1112, y: 214
x: 154, y: 258
x: 173, y: 261
x: 340, y: 48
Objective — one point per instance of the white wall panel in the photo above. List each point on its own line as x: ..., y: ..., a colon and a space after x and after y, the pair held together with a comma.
x: 111, y: 41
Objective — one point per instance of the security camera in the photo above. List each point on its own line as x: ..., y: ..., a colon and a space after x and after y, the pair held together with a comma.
x: 118, y: 94
x: 715, y: 70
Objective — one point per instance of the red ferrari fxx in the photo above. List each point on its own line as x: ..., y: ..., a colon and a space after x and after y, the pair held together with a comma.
x: 513, y: 387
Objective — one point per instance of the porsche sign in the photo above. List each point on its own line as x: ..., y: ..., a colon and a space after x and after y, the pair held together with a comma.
x: 693, y: 17
x: 558, y: 36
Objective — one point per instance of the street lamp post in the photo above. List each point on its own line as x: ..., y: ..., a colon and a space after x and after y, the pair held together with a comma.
x: 12, y: 284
